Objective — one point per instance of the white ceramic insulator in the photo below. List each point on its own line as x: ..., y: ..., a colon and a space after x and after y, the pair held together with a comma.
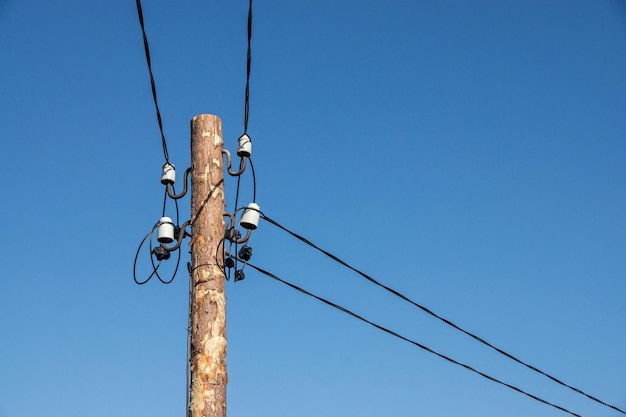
x: 245, y: 146
x: 165, y: 233
x: 250, y: 218
x: 169, y: 174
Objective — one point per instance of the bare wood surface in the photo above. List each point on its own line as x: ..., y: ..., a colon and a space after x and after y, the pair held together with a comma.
x: 208, y: 309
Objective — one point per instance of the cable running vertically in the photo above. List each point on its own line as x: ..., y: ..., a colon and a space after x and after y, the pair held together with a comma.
x: 152, y: 84
x: 438, y: 317
x: 246, y: 108
x: 413, y: 342
x: 246, y: 113
x: 246, y: 100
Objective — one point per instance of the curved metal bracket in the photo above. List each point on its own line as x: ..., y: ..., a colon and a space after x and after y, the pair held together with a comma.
x: 243, y: 239
x: 170, y: 191
x: 242, y: 164
x: 179, y: 239
x: 231, y: 226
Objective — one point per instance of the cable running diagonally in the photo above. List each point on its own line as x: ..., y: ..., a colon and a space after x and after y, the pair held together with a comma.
x: 433, y: 314
x: 413, y: 342
x: 154, y: 93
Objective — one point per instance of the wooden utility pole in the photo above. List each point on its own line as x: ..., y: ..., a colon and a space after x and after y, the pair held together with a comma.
x: 208, y: 300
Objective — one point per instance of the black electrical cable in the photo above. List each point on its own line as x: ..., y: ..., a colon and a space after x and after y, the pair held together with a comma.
x: 433, y: 314
x: 246, y: 109
x: 246, y: 112
x: 164, y: 203
x: 242, y: 162
x: 188, y: 367
x: 238, y: 186
x: 137, y: 256
x: 156, y: 267
x: 413, y: 342
x: 175, y: 202
x: 230, y: 247
x: 152, y: 84
x: 253, y: 181
x: 205, y: 201
x: 176, y: 205
x: 222, y: 266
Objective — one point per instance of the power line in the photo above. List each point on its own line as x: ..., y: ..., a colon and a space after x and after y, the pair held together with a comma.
x: 413, y: 342
x: 246, y: 112
x: 246, y: 109
x: 154, y: 93
x: 253, y: 180
x: 438, y: 317
x: 246, y: 104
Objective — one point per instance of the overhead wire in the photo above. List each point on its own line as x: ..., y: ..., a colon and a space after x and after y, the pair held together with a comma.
x: 413, y: 342
x: 152, y: 83
x: 253, y: 181
x: 335, y: 258
x: 246, y: 109
x: 156, y: 267
x: 438, y: 317
x: 246, y: 113
x: 189, y: 325
x: 137, y: 256
x: 246, y: 101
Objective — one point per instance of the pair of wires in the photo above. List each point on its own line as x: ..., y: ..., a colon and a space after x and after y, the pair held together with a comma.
x: 333, y: 257
x: 411, y: 341
x: 246, y: 94
x: 438, y: 317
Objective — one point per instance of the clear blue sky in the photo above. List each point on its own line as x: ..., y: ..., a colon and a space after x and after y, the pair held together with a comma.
x: 470, y: 154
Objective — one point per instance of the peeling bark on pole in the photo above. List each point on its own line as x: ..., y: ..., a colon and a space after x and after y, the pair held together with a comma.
x: 208, y: 305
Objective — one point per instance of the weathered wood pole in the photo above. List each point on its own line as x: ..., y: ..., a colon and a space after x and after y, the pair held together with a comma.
x: 208, y: 305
